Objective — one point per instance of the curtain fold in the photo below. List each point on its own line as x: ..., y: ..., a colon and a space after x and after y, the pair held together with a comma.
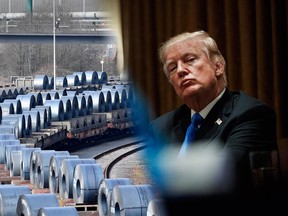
x: 251, y: 34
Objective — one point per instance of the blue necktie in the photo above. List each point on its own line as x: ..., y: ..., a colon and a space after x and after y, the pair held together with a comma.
x: 191, y: 132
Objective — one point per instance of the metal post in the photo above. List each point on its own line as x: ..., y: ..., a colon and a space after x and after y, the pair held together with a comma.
x: 54, y: 45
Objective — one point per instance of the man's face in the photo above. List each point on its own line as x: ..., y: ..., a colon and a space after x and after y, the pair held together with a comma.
x: 190, y: 70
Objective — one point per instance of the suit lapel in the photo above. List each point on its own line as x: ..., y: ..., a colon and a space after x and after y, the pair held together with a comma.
x: 216, y: 118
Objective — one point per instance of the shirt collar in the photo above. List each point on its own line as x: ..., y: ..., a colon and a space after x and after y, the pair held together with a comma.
x: 204, y: 112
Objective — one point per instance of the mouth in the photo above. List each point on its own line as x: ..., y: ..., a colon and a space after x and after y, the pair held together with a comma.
x: 186, y: 82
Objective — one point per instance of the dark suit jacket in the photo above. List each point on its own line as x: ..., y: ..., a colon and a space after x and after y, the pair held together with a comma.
x: 247, y: 129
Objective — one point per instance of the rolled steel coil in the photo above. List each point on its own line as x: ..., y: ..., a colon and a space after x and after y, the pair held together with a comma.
x: 41, y: 82
x: 74, y: 104
x: 7, y: 109
x: 28, y: 124
x: 32, y: 166
x: 27, y: 101
x: 66, y: 175
x: 54, y: 95
x: 7, y: 129
x: 89, y: 104
x: 54, y: 171
x: 43, y: 116
x: 82, y: 104
x: 81, y: 76
x: 30, y: 204
x: 67, y: 109
x: 115, y: 99
x: 35, y: 119
x: 38, y: 97
x: 91, y: 77
x: 9, y: 195
x: 102, y: 77
x: 61, y: 82
x: 86, y: 181
x: 3, y: 94
x: 9, y: 93
x: 131, y: 199
x: 17, y: 120
x: 156, y: 207
x: 14, y: 91
x: 25, y: 162
x: 123, y: 98
x: 45, y: 96
x: 8, y: 150
x: 61, y: 92
x: 15, y: 163
x: 20, y: 90
x: 105, y: 192
x: 3, y: 144
x: 57, y: 109
x: 73, y: 80
x: 98, y: 100
x: 48, y: 111
x: 7, y: 137
x: 59, y: 211
x: 108, y: 100
x: 51, y: 82
x: 16, y: 104
x: 42, y: 166
x: 71, y: 93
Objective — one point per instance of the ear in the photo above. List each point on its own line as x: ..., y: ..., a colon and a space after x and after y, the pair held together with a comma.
x: 219, y: 66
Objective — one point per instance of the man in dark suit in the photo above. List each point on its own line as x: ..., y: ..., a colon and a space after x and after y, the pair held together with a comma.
x: 242, y: 127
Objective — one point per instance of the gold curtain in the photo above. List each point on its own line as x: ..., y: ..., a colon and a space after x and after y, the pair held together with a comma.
x: 251, y: 34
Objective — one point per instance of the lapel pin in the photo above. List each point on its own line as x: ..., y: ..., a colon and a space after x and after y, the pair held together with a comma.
x: 218, y: 121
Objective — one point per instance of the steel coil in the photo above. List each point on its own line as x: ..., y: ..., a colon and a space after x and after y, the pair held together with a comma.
x: 16, y: 104
x: 49, y: 113
x: 108, y: 100
x: 73, y: 80
x: 131, y: 199
x: 7, y: 137
x: 98, y: 100
x: 38, y: 97
x: 25, y: 162
x: 66, y: 175
x: 81, y: 76
x: 91, y: 77
x: 30, y: 204
x: 17, y: 120
x: 7, y: 109
x: 43, y: 116
x: 74, y: 104
x: 102, y: 77
x: 32, y: 166
x: 67, y: 109
x: 45, y: 96
x: 9, y: 195
x: 35, y: 119
x: 86, y: 181
x: 105, y: 191
x: 58, y: 211
x: 3, y: 144
x: 54, y: 171
x: 61, y: 82
x: 27, y: 101
x: 15, y: 163
x: 8, y: 150
x: 41, y: 82
x: 156, y: 207
x: 57, y: 109
x: 42, y: 166
x: 82, y: 105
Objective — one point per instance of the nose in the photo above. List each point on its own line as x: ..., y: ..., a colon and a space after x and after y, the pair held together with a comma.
x: 181, y: 67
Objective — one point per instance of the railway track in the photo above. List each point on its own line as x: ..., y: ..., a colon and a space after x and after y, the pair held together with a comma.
x: 125, y: 161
